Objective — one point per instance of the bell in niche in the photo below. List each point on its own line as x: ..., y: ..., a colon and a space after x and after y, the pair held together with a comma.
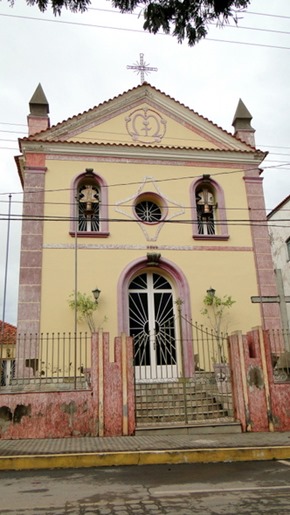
x: 205, y: 199
x: 89, y: 197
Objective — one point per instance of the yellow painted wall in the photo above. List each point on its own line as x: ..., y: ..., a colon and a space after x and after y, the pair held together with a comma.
x: 229, y: 272
x: 124, y: 181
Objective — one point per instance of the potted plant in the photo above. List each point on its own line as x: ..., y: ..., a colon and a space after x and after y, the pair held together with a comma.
x: 85, y: 307
x: 216, y: 310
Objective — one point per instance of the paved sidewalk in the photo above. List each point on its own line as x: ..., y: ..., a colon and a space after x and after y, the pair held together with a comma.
x: 141, y: 450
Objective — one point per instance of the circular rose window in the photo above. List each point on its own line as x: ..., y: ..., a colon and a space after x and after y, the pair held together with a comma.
x: 148, y: 211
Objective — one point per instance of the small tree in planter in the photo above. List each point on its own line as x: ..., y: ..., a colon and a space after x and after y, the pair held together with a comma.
x: 216, y: 310
x: 85, y: 307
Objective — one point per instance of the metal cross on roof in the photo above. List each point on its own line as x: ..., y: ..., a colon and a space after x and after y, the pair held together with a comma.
x: 141, y: 68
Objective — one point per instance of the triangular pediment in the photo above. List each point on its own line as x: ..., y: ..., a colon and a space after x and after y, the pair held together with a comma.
x: 143, y: 116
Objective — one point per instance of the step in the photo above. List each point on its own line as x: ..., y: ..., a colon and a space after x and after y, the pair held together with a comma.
x: 161, y: 387
x: 173, y: 391
x: 148, y: 393
x: 198, y: 379
x: 226, y: 426
x: 164, y: 403
x: 171, y: 412
x: 147, y: 399
x: 199, y: 408
x: 177, y: 404
x: 162, y: 417
x: 193, y: 415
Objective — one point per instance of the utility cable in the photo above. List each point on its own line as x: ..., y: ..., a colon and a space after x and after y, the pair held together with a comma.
x: 140, y: 31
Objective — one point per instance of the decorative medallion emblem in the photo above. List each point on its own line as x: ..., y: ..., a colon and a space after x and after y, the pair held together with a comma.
x: 146, y: 126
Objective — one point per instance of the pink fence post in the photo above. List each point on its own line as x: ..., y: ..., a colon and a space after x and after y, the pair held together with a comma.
x: 119, y: 411
x: 239, y: 381
x: 251, y: 380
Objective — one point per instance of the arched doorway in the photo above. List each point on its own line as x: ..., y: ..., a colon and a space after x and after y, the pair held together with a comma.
x: 153, y: 326
x: 172, y: 286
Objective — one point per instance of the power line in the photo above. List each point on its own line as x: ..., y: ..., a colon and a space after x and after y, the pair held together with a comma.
x: 16, y: 149
x: 115, y: 11
x: 247, y: 43
x: 13, y: 132
x: 112, y: 11
x: 131, y: 205
x: 121, y: 184
x: 257, y: 29
x: 120, y: 134
x: 139, y: 31
x: 9, y: 148
x: 271, y: 146
x: 264, y: 14
x: 167, y: 179
x: 230, y: 222
x: 10, y: 123
x: 124, y: 134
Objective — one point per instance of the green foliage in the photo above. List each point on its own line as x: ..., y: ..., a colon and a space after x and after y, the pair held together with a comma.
x: 185, y: 19
x: 216, y: 310
x: 218, y: 303
x: 85, y: 307
x: 58, y: 5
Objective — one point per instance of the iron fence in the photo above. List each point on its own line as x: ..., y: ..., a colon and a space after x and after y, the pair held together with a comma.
x: 210, y: 348
x: 56, y: 361
x: 280, y: 354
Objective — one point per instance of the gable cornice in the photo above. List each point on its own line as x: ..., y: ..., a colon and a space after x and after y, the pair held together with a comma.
x: 157, y: 153
x: 128, y: 101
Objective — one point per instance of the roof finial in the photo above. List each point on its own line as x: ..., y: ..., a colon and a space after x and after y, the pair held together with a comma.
x: 242, y: 124
x: 38, y: 119
x: 38, y: 103
x: 141, y: 68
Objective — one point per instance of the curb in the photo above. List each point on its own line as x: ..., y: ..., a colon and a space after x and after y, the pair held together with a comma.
x: 121, y: 458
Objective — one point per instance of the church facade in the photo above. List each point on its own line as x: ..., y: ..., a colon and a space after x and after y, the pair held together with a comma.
x: 154, y: 205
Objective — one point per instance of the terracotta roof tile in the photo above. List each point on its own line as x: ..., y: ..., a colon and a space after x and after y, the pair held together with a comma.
x: 7, y: 333
x: 131, y: 145
x: 145, y: 84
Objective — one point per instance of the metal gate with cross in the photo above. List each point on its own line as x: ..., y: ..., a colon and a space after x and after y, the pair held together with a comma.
x: 152, y: 323
x: 163, y: 395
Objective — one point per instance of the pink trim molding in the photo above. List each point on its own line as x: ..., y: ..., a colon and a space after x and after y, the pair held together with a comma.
x: 182, y: 292
x: 104, y: 217
x: 221, y: 210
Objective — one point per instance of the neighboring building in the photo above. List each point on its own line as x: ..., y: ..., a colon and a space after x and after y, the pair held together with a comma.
x: 7, y: 352
x: 279, y: 229
x: 153, y: 204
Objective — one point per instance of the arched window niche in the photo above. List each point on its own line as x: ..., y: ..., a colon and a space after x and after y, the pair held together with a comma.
x: 178, y: 280
x: 89, y: 206
x: 208, y: 210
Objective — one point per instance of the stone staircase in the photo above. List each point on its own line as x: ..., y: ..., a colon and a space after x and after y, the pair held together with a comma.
x: 181, y: 405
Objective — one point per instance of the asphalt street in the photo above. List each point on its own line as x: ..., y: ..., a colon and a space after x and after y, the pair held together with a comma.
x: 255, y: 488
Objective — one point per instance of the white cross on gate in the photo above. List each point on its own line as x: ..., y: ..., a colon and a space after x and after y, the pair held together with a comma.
x: 142, y: 68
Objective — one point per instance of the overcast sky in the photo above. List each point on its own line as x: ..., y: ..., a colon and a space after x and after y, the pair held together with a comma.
x: 81, y: 59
